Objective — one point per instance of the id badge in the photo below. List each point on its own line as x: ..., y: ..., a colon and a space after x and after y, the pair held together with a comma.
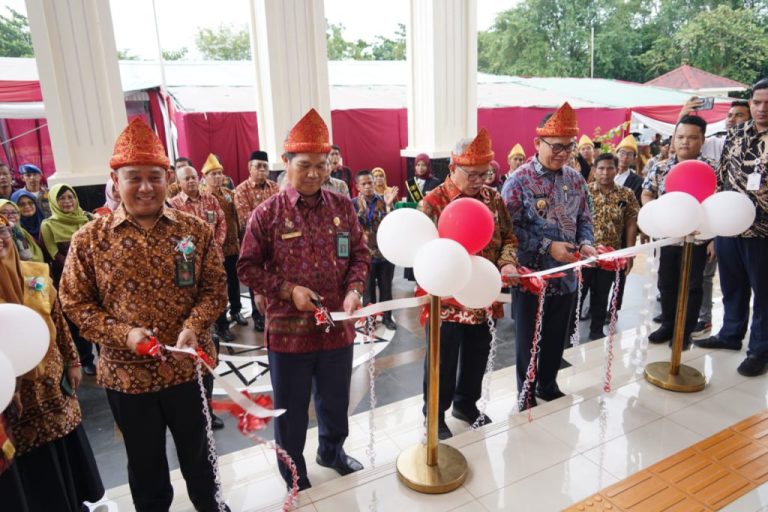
x: 753, y: 182
x: 211, y: 216
x: 185, y: 272
x: 342, y: 245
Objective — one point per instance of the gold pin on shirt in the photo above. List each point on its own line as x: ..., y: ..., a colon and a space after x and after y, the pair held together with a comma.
x: 336, y: 221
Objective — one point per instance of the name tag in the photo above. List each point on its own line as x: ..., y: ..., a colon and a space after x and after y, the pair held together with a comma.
x: 185, y: 272
x: 292, y: 234
x: 342, y: 245
x: 211, y: 216
x: 753, y: 182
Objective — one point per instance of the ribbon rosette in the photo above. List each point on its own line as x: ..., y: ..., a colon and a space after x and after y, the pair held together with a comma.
x: 36, y: 284
x: 534, y: 284
x: 610, y: 264
x: 246, y: 422
x: 151, y: 347
x: 185, y: 246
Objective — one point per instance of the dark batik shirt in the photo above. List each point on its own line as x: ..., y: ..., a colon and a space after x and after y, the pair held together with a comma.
x: 611, y: 212
x: 657, y: 174
x: 370, y: 214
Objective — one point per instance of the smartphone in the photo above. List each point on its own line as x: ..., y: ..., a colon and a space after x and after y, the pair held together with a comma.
x: 66, y: 388
x: 707, y: 103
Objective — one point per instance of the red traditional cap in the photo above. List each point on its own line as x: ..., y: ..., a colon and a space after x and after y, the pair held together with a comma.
x: 309, y: 135
x: 138, y: 145
x: 478, y: 152
x: 561, y: 124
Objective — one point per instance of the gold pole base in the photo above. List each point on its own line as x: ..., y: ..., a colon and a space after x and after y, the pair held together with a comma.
x: 688, y: 380
x: 447, y: 475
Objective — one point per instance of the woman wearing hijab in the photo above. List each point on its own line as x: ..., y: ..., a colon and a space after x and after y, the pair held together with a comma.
x: 31, y: 215
x: 26, y: 245
x: 57, y: 230
x: 493, y: 180
x: 112, y: 201
x: 380, y: 182
x: 422, y: 181
x: 55, y: 463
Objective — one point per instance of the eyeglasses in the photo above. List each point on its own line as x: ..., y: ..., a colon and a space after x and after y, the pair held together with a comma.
x: 626, y: 153
x: 559, y: 148
x: 476, y: 176
x: 10, y: 213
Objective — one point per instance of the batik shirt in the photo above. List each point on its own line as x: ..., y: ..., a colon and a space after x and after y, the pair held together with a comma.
x: 248, y: 196
x: 548, y: 206
x: 746, y: 152
x: 291, y: 243
x: 206, y: 208
x: 370, y: 214
x: 119, y: 276
x: 226, y: 199
x: 500, y: 250
x: 611, y: 212
x: 657, y: 174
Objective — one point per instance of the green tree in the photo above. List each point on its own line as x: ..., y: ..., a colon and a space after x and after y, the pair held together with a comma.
x: 15, y: 38
x: 390, y: 49
x: 179, y: 54
x: 334, y: 38
x: 125, y: 54
x: 224, y: 43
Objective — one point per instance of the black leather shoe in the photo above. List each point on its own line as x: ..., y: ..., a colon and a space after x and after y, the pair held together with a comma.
x: 258, y: 325
x: 344, y: 466
x: 715, y: 342
x: 226, y: 335
x: 443, y: 432
x: 471, y: 418
x: 686, y: 343
x: 216, y: 422
x: 238, y: 318
x: 751, y: 367
x: 389, y: 323
x: 549, y: 394
x: 89, y: 369
x: 660, y: 335
x: 658, y: 318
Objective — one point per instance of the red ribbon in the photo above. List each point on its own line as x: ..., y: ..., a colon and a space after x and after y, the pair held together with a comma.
x: 534, y: 284
x: 246, y: 422
x: 610, y: 264
x: 322, y: 317
x: 150, y: 348
x: 202, y: 355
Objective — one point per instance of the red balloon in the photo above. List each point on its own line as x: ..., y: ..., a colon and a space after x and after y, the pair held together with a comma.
x: 468, y: 222
x: 693, y: 177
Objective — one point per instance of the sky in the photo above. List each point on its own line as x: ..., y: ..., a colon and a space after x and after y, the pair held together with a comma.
x: 179, y: 19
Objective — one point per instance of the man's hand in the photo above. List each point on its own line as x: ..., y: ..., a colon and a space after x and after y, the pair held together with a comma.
x: 390, y: 196
x: 692, y: 104
x: 352, y: 302
x: 711, y: 254
x: 136, y: 336
x: 588, y: 251
x: 562, y: 252
x: 187, y: 339
x: 261, y: 303
x: 509, y: 270
x: 302, y: 298
x: 74, y: 376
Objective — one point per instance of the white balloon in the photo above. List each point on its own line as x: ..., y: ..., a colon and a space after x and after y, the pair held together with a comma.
x: 402, y: 233
x: 646, y: 220
x: 7, y: 381
x: 24, y: 337
x: 705, y: 230
x: 678, y: 214
x: 442, y: 267
x: 729, y: 213
x: 483, y: 287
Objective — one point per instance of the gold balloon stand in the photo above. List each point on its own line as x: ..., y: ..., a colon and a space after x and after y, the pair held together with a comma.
x: 672, y: 375
x: 433, y: 468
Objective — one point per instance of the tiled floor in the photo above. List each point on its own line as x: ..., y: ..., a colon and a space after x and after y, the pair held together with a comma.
x: 572, y: 448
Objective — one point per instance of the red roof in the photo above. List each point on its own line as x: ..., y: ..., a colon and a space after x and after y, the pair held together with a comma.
x: 690, y: 78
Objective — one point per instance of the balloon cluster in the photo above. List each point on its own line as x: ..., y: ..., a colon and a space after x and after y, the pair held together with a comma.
x: 691, y: 206
x: 23, y: 344
x: 444, y: 258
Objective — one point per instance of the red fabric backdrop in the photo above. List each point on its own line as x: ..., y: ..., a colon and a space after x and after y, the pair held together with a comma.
x: 33, y: 148
x: 669, y: 113
x: 20, y: 90
x: 230, y: 135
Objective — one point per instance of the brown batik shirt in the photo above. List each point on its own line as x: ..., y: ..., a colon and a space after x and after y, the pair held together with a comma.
x: 746, y: 152
x: 249, y: 195
x: 226, y: 200
x: 611, y: 212
x: 119, y: 275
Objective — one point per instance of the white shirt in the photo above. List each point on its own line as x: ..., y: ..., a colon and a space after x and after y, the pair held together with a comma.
x: 621, y: 178
x: 713, y: 148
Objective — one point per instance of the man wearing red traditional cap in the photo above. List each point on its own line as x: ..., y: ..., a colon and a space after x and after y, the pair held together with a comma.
x: 304, y: 247
x: 465, y: 337
x: 548, y: 203
x: 148, y: 270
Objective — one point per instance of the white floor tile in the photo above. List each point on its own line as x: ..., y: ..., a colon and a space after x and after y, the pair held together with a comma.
x: 719, y: 411
x: 754, y: 501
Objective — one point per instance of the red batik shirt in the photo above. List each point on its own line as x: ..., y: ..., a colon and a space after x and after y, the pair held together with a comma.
x: 206, y: 208
x: 501, y: 250
x: 291, y: 243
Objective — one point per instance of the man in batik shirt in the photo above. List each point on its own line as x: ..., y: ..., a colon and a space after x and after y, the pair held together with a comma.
x: 248, y: 195
x: 548, y: 203
x: 742, y: 259
x: 465, y: 336
x: 303, y: 246
x: 148, y: 270
x: 614, y: 216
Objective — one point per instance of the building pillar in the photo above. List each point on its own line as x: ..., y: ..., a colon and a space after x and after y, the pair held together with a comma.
x: 80, y: 80
x: 291, y: 60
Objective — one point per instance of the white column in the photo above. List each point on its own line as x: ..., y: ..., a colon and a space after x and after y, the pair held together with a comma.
x: 79, y: 76
x: 291, y: 59
x: 442, y: 75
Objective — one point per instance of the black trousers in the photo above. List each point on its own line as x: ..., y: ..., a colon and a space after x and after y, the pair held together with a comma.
x: 143, y: 419
x: 669, y: 284
x: 463, y: 357
x: 599, y: 282
x: 556, y: 327
x: 255, y: 312
x: 294, y: 376
x: 380, y: 278
x: 233, y: 285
